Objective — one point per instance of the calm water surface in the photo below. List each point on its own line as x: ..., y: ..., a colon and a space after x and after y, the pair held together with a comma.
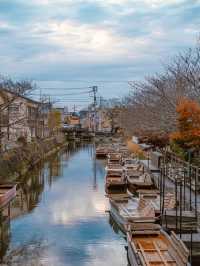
x: 59, y: 216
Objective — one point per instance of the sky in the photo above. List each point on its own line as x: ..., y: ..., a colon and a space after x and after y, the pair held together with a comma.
x: 64, y: 44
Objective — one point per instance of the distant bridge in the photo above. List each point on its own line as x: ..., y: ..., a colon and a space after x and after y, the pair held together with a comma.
x: 83, y: 133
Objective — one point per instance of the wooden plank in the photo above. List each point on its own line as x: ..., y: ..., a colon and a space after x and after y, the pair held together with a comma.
x: 143, y: 254
x: 160, y: 254
x: 183, y: 248
x: 126, y: 211
x: 175, y: 249
x: 146, y: 226
x: 186, y: 214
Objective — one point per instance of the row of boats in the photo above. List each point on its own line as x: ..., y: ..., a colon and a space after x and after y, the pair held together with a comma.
x: 135, y: 205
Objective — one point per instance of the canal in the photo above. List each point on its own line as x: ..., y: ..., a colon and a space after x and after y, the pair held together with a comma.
x: 59, y: 216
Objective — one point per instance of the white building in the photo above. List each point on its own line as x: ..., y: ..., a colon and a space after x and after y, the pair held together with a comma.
x: 20, y: 117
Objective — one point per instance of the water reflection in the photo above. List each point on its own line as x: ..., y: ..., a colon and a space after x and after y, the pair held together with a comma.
x: 115, y: 226
x: 59, y: 216
x: 4, y: 235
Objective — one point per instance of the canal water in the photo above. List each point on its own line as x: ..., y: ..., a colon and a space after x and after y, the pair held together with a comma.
x: 59, y: 217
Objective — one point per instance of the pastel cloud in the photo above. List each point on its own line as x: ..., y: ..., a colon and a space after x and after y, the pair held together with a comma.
x: 113, y: 39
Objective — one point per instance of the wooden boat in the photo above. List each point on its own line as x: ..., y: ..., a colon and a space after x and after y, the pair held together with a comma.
x: 128, y: 210
x: 114, y: 167
x: 138, y: 181
x: 149, y: 245
x: 124, y: 151
x: 114, y: 157
x: 136, y: 167
x: 153, y: 198
x: 102, y: 151
x: 129, y: 160
x: 115, y: 180
x: 7, y: 193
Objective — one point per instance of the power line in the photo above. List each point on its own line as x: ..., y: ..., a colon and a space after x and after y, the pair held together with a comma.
x: 68, y: 94
x: 71, y: 96
x: 97, y: 81
x: 59, y: 100
x: 73, y: 99
x: 61, y: 88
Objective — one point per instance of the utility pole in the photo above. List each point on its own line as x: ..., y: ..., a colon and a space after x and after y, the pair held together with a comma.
x: 94, y: 90
x: 40, y: 94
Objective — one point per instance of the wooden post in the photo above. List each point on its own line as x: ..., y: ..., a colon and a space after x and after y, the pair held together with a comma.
x: 163, y: 187
x: 166, y: 219
x: 161, y: 177
x: 191, y: 240
x: 176, y: 200
x: 190, y: 179
x: 180, y: 219
x: 184, y: 186
x: 196, y: 174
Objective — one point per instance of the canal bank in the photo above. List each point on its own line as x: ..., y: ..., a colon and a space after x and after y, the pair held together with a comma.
x: 18, y: 161
x: 60, y: 217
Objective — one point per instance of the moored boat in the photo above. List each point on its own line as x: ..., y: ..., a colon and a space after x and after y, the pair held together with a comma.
x: 115, y: 180
x: 102, y: 151
x: 114, y: 157
x: 137, y: 180
x: 135, y: 167
x: 114, y: 167
x: 149, y: 245
x: 153, y: 198
x: 129, y: 161
x: 128, y: 210
x: 124, y: 151
x: 7, y: 193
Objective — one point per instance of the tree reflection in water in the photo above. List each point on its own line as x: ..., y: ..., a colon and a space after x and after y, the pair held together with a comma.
x: 58, y: 216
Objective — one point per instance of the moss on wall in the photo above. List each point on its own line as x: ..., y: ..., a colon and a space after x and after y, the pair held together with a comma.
x: 18, y: 161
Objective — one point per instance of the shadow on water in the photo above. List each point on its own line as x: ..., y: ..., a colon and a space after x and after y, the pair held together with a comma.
x: 59, y: 215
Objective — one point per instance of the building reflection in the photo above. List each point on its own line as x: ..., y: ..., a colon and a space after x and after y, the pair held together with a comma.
x: 55, y: 168
x: 32, y: 185
x: 29, y: 191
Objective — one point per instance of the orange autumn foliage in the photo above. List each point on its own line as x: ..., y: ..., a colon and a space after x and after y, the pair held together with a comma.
x: 188, y: 134
x: 134, y: 148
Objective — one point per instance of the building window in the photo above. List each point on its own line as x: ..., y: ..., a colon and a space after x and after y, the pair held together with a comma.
x: 32, y: 112
x: 14, y: 108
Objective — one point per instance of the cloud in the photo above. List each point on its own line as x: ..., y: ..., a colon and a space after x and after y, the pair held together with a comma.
x: 88, y: 39
x: 91, y: 207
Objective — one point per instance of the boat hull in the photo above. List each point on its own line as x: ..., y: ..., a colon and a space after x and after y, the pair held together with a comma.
x: 115, y: 188
x: 7, y: 193
x: 101, y: 155
x: 134, y: 187
x: 121, y: 222
x: 132, y: 257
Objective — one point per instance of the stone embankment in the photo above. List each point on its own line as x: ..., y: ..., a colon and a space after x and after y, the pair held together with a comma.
x: 18, y: 161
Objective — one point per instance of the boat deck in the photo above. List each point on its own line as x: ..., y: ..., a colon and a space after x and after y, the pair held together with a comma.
x: 157, y: 248
x: 132, y: 211
x: 154, y: 251
x: 139, y: 180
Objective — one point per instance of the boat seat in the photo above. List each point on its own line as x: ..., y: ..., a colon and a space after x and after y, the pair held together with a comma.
x: 142, y: 204
x: 148, y: 211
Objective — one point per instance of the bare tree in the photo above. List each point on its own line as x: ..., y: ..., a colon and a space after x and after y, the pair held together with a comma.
x: 10, y: 91
x: 151, y: 105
